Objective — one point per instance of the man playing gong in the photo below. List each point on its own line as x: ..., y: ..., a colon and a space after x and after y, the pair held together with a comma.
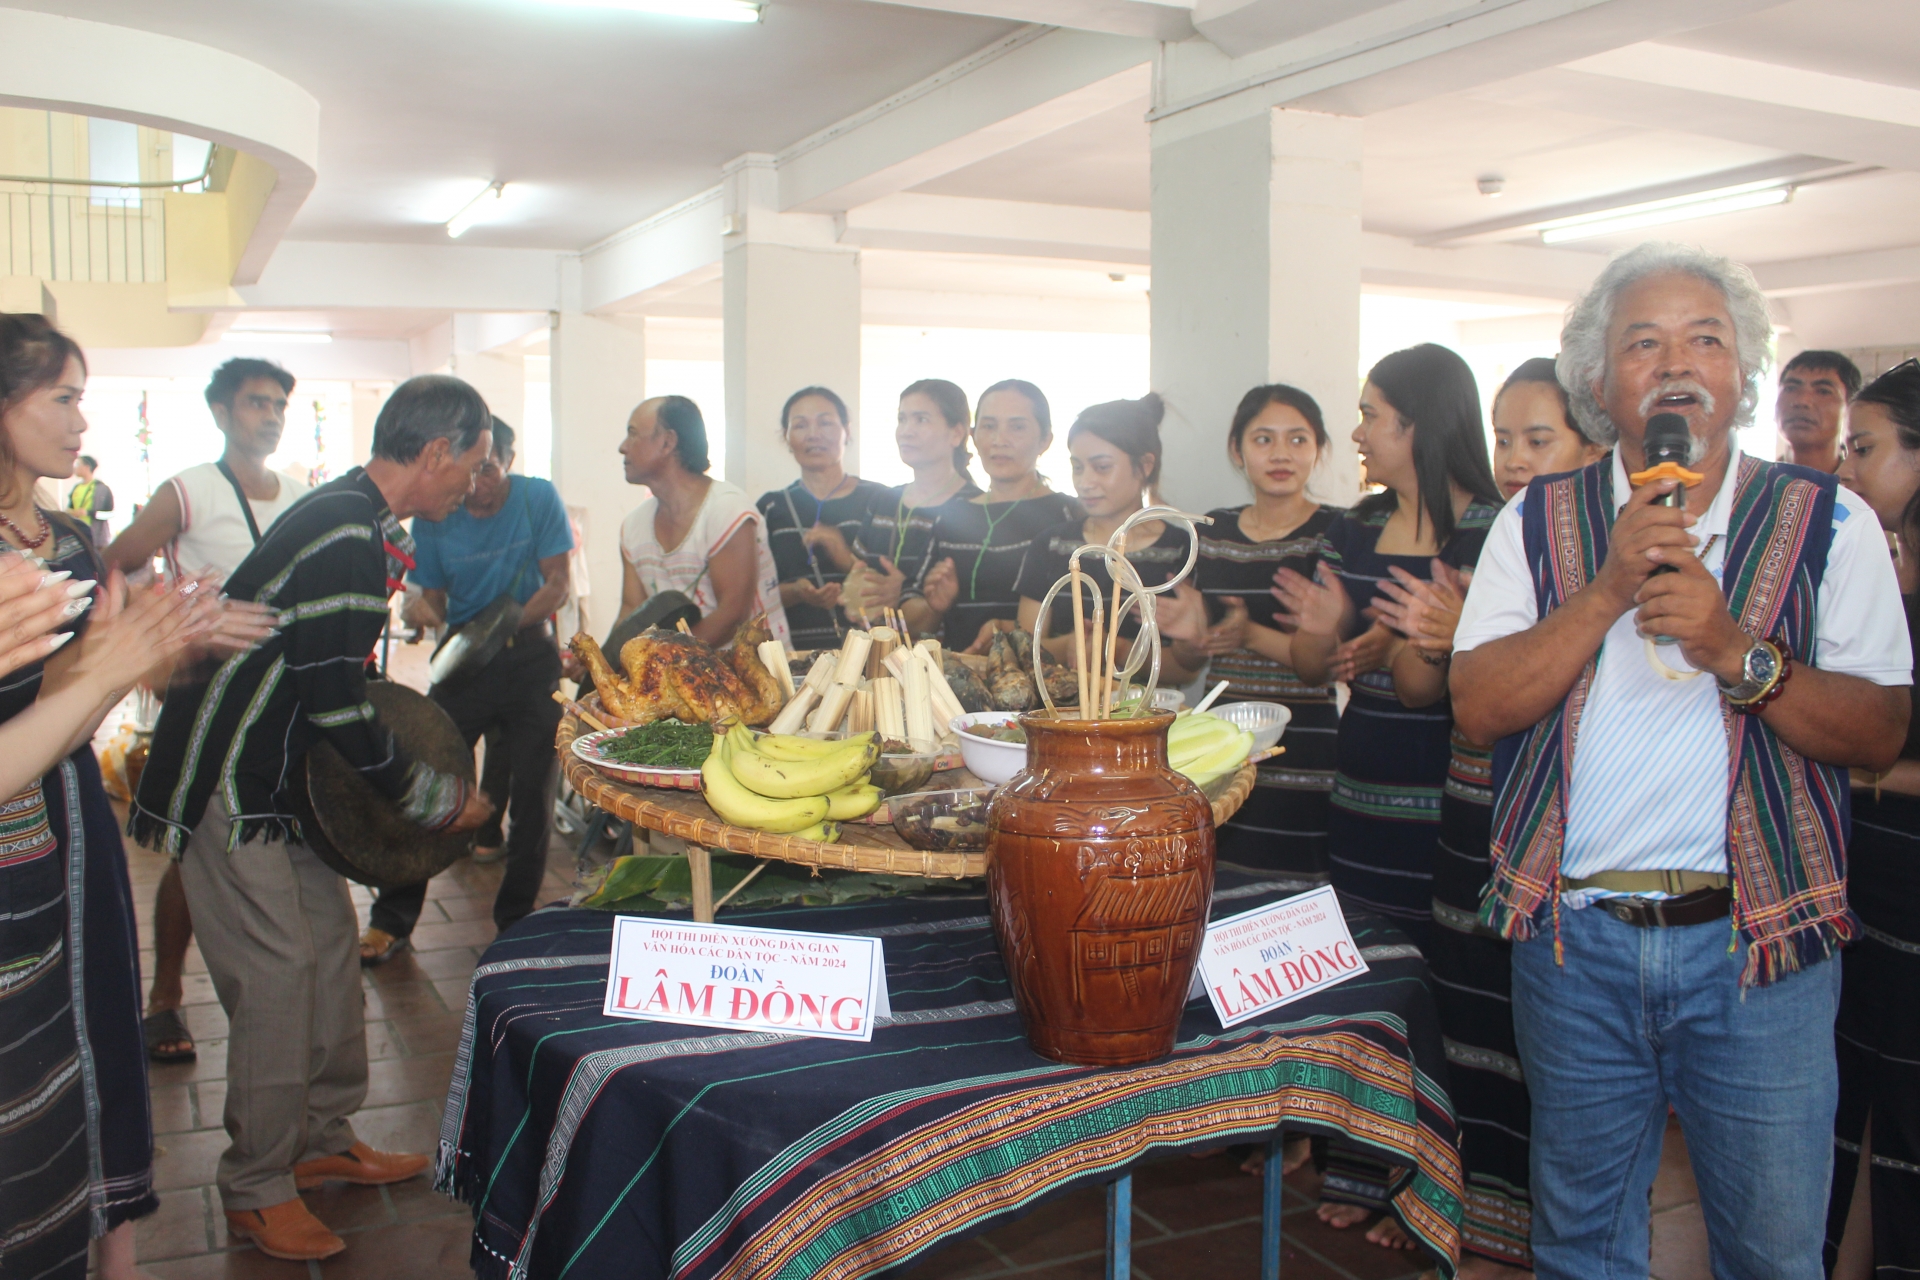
x: 511, y: 541
x: 276, y: 926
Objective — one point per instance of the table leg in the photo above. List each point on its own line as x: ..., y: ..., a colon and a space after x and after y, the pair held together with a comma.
x: 700, y: 864
x: 1120, y: 1228
x: 1270, y: 1209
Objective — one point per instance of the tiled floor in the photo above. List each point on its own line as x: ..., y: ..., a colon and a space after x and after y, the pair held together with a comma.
x: 1192, y: 1218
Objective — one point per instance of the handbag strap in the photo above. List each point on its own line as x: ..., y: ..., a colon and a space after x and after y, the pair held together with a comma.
x: 246, y: 508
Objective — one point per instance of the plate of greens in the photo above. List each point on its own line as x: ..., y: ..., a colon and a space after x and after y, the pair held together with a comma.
x: 666, y: 753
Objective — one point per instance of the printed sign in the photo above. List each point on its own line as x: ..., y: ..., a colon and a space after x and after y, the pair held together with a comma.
x: 710, y: 975
x: 1273, y: 955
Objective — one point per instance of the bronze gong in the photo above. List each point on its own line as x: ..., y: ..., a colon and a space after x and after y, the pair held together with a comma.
x: 359, y: 832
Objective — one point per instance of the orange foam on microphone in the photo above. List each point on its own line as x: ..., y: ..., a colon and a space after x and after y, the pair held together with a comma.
x: 1666, y: 471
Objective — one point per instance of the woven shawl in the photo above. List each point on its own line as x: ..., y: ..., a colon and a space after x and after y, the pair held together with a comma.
x: 1787, y: 816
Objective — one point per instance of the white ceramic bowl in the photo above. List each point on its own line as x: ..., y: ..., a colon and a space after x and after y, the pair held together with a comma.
x: 1266, y: 721
x: 992, y: 762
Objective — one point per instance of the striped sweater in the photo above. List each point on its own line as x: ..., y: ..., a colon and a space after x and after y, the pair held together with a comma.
x: 328, y: 565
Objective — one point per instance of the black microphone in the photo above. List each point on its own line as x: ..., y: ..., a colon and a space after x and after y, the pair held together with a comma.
x: 1668, y: 440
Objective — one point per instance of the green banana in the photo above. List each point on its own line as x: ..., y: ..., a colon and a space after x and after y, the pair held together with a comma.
x: 852, y: 802
x: 741, y: 807
x: 790, y: 779
x: 784, y: 746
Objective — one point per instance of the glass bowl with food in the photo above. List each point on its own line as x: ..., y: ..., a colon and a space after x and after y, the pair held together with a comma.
x: 942, y: 821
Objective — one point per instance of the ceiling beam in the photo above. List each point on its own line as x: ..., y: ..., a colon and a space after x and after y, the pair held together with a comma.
x: 1739, y: 99
x: 1032, y: 83
x: 1873, y: 268
x: 1171, y: 20
x: 960, y: 224
x: 307, y: 275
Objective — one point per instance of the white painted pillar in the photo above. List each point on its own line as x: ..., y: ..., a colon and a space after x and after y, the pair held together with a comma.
x: 1256, y: 279
x: 792, y: 319
x: 599, y: 373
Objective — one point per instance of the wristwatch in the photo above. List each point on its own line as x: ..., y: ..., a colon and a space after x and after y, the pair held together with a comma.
x: 1761, y: 671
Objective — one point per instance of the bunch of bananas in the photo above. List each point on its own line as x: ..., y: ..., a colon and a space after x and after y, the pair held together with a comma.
x: 790, y: 785
x: 1206, y: 748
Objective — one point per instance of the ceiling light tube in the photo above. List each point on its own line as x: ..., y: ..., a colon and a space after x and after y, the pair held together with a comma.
x: 712, y: 10
x: 1655, y: 213
x: 475, y: 209
x: 312, y: 336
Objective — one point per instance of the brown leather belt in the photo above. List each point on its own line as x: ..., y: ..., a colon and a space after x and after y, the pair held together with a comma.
x: 1699, y: 907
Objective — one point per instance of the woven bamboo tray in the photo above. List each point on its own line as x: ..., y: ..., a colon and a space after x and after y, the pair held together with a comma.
x: 685, y: 816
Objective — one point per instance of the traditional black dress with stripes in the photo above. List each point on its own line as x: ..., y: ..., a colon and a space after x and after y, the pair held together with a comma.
x: 76, y: 1137
x: 1049, y: 557
x: 904, y: 534
x: 987, y: 542
x: 1392, y: 759
x: 1472, y: 983
x: 1877, y: 1033
x: 1283, y: 824
x: 1383, y: 827
x: 788, y: 513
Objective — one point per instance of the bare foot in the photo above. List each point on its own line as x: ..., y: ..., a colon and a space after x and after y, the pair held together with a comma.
x: 1296, y: 1153
x: 1475, y: 1267
x: 1387, y: 1234
x: 1341, y: 1216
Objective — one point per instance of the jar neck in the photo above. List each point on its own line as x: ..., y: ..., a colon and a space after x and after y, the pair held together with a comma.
x: 1098, y: 746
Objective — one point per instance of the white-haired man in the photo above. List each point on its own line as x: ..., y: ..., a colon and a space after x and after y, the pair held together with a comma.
x: 1669, y: 837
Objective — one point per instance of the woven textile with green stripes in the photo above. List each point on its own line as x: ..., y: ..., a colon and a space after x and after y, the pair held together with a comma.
x: 591, y: 1146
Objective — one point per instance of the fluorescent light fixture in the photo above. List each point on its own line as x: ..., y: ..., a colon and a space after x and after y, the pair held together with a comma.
x: 312, y: 337
x: 1655, y: 213
x: 712, y: 10
x: 476, y: 209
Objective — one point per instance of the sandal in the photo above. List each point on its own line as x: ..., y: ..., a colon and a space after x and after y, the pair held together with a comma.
x: 377, y: 946
x: 166, y: 1026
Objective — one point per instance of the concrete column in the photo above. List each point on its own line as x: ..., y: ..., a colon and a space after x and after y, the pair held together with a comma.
x: 1256, y: 279
x: 792, y: 319
x: 599, y: 373
x: 368, y: 398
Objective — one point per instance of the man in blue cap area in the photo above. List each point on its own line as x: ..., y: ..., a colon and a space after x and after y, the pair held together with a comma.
x: 511, y: 537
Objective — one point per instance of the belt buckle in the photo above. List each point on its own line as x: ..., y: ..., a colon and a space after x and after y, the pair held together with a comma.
x: 1632, y: 910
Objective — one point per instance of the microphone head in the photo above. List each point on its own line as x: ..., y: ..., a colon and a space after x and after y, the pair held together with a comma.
x: 1667, y: 439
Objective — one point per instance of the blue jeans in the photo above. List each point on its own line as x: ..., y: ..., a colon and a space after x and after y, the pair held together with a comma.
x: 1640, y: 1019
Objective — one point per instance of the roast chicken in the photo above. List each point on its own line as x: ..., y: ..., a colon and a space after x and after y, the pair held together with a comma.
x: 673, y: 675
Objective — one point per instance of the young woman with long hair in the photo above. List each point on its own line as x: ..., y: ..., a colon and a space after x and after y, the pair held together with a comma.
x: 1873, y: 1218
x: 1414, y: 543
x: 1116, y: 454
x: 978, y: 544
x: 931, y: 433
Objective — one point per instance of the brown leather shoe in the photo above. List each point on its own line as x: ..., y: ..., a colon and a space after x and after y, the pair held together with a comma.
x: 362, y: 1165
x: 286, y: 1230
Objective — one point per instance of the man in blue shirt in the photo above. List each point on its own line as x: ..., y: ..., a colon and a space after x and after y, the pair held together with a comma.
x: 512, y: 536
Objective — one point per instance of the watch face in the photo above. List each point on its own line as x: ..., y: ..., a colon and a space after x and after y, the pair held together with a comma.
x: 1760, y: 664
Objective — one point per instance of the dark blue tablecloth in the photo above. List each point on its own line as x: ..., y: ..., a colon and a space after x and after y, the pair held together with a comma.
x: 592, y: 1146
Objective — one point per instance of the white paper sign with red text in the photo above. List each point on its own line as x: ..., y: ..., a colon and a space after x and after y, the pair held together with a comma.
x: 778, y: 980
x: 1259, y: 960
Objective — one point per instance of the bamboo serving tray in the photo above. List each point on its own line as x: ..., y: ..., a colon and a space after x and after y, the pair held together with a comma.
x: 862, y: 847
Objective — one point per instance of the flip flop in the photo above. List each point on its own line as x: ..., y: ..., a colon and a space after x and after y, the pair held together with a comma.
x: 166, y: 1026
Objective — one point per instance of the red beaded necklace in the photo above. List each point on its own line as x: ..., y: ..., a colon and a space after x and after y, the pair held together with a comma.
x: 31, y: 544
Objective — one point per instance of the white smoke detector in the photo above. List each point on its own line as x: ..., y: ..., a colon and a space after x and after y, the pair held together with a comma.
x: 1490, y: 184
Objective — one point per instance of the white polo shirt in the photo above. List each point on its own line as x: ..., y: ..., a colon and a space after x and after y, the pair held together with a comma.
x: 1648, y: 787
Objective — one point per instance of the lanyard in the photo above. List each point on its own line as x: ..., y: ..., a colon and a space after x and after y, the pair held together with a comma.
x: 993, y: 522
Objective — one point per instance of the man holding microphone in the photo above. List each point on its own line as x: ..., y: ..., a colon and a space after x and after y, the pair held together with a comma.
x: 1678, y: 692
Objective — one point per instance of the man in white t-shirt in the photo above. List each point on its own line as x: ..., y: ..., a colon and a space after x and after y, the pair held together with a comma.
x: 198, y: 522
x: 692, y: 534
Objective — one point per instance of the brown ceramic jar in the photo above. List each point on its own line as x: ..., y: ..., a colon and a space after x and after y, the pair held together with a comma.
x: 1100, y: 872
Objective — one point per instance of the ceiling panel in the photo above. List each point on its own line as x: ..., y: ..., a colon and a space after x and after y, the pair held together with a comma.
x: 605, y: 116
